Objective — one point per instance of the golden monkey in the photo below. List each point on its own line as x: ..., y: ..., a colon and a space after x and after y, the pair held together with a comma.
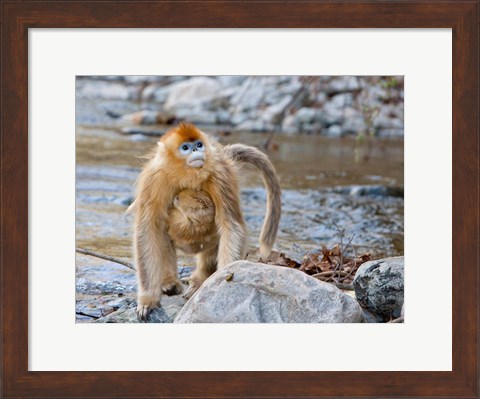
x: 187, y: 159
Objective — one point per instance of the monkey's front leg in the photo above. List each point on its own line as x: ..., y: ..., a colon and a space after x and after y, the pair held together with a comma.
x: 206, y: 266
x: 156, y: 263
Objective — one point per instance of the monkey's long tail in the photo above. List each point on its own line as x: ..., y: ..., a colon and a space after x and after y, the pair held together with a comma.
x: 245, y: 154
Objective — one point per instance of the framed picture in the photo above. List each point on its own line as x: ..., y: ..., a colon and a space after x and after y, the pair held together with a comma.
x: 27, y: 286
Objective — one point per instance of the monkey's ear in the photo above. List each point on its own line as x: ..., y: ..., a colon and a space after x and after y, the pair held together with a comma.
x: 162, y: 148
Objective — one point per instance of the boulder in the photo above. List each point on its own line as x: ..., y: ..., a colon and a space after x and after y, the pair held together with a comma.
x: 307, y: 115
x: 332, y: 114
x: 290, y: 125
x: 196, y: 115
x: 274, y: 113
x: 156, y: 92
x: 191, y: 91
x: 379, y: 286
x: 108, y: 90
x: 342, y: 84
x: 247, y: 292
x: 354, y: 121
x: 334, y: 131
x: 250, y: 94
x: 231, y: 80
x: 342, y: 100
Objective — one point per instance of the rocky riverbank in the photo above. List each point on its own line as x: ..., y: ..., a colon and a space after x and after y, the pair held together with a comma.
x: 333, y: 106
x: 248, y: 292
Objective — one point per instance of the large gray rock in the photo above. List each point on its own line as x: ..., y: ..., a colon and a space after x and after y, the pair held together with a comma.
x: 250, y: 94
x: 247, y: 292
x: 196, y: 115
x: 341, y: 84
x: 342, y: 100
x: 307, y: 115
x: 334, y: 131
x: 290, y: 125
x: 379, y: 286
x: 332, y: 114
x: 274, y: 113
x: 231, y: 80
x: 156, y: 92
x: 191, y: 92
x: 109, y: 90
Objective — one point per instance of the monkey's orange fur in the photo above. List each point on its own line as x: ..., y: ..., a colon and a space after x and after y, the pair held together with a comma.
x: 166, y: 175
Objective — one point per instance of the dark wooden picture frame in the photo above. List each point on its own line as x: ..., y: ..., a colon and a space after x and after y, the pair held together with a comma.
x: 18, y: 16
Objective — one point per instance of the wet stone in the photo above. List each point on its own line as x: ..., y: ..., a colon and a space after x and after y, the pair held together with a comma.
x: 166, y: 313
x: 99, y: 287
x: 379, y: 286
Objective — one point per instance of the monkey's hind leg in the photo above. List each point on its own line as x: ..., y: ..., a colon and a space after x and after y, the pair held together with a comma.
x: 171, y: 284
x: 206, y: 266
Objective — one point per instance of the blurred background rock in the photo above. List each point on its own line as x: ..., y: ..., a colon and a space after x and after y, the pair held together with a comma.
x: 333, y: 106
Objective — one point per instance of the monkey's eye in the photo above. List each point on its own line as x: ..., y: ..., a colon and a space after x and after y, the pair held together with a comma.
x: 199, y: 146
x: 185, y: 148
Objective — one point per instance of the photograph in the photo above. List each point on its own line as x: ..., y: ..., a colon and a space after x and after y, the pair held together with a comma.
x: 239, y: 199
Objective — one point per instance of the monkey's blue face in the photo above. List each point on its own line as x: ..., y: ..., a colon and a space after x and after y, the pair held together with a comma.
x: 193, y: 152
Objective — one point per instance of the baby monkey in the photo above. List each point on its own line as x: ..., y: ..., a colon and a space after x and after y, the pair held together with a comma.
x: 192, y: 222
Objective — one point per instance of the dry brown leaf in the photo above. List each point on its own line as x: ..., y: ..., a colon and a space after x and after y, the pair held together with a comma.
x: 280, y: 259
x: 323, y: 261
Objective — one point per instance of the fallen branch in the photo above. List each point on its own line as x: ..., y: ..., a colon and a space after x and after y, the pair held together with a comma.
x: 330, y: 273
x: 344, y: 250
x: 342, y: 286
x: 88, y: 315
x: 266, y: 143
x: 106, y: 257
